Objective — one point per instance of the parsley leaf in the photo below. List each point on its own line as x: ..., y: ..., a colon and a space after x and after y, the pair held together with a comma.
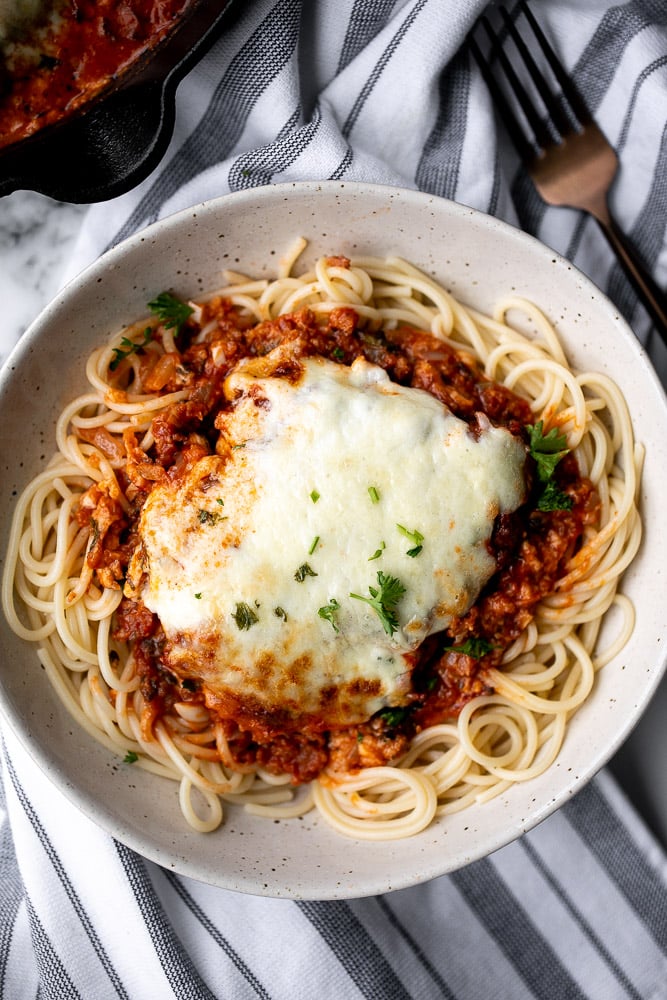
x: 546, y: 449
x: 378, y: 552
x: 130, y: 347
x: 383, y: 600
x: 553, y: 498
x: 329, y: 611
x: 130, y: 757
x: 374, y: 494
x: 473, y: 646
x: 393, y: 717
x: 244, y: 616
x: 210, y: 516
x: 303, y: 571
x: 170, y: 310
x: 413, y: 536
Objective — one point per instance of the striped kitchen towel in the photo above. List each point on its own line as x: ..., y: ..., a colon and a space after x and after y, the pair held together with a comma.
x: 380, y: 91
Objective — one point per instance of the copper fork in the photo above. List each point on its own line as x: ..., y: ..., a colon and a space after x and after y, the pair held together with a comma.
x: 570, y: 161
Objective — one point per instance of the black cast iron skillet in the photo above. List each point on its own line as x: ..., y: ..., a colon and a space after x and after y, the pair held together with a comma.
x: 114, y: 140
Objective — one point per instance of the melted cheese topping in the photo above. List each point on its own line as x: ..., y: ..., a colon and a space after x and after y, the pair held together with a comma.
x: 319, y: 471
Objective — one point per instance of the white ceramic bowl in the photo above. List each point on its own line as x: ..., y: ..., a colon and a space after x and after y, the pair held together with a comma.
x: 479, y: 259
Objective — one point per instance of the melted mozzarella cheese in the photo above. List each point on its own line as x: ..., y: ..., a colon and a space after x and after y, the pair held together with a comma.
x: 314, y: 480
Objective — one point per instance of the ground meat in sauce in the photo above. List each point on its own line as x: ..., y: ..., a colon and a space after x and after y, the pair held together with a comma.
x: 531, y: 548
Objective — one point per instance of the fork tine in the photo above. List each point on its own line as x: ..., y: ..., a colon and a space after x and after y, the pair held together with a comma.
x: 511, y: 122
x: 566, y: 85
x: 551, y: 102
x: 542, y: 135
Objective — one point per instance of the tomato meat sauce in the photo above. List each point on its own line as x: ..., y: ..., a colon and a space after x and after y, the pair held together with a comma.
x: 531, y: 546
x: 76, y: 50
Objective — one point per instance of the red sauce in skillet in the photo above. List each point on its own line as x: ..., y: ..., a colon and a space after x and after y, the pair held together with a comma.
x: 81, y: 48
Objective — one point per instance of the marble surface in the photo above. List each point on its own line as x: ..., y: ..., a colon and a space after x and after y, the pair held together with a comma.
x: 36, y: 236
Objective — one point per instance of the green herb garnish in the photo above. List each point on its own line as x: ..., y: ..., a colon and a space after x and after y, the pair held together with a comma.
x: 198, y: 596
x: 170, y: 310
x: 280, y: 613
x: 130, y: 347
x: 474, y: 647
x: 314, y: 496
x: 329, y: 611
x: 378, y: 552
x: 313, y: 545
x: 553, y: 498
x: 412, y: 536
x: 546, y: 449
x: 303, y: 571
x: 383, y: 600
x: 374, y: 494
x: 130, y: 757
x: 244, y: 616
x: 210, y: 516
x: 393, y: 717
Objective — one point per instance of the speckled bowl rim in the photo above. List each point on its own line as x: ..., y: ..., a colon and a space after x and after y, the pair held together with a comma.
x: 477, y: 257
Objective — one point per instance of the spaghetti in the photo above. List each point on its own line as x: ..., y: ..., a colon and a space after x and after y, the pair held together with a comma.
x: 482, y: 717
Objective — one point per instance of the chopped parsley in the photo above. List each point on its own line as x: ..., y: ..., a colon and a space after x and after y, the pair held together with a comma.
x: 198, y: 596
x: 314, y: 496
x: 170, y: 310
x: 280, y: 613
x: 383, y: 600
x: 244, y: 616
x: 374, y: 494
x: 553, y: 498
x: 393, y: 717
x: 329, y: 612
x: 129, y: 347
x: 378, y: 552
x: 303, y: 571
x: 313, y: 545
x: 130, y: 757
x: 473, y: 646
x: 547, y: 450
x: 412, y: 536
x: 210, y: 516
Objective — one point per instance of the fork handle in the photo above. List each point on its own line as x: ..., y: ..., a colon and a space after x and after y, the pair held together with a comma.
x: 650, y: 294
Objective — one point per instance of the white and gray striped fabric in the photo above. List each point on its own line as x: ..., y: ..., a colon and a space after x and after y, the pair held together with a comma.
x: 373, y: 90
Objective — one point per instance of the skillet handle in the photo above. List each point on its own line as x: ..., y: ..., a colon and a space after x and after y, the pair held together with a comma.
x: 98, y: 155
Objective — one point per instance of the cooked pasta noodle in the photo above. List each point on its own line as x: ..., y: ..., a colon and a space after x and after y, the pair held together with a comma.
x: 511, y: 733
